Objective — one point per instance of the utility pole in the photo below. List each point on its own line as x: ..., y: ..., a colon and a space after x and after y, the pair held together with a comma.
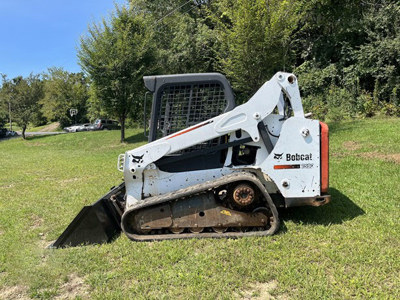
x: 9, y: 114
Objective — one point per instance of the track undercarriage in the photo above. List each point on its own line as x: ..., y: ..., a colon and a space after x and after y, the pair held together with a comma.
x: 235, y: 205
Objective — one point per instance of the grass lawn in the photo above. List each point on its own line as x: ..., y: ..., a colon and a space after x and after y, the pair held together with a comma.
x: 349, y: 248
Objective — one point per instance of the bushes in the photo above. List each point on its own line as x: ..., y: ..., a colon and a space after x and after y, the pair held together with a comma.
x: 350, y: 68
x: 337, y: 104
x: 390, y: 109
x: 331, y: 95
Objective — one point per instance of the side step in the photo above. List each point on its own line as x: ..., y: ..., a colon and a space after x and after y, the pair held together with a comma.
x: 95, y: 224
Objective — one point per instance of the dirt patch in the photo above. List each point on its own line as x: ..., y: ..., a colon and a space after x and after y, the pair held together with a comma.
x: 394, y: 157
x: 261, y: 291
x: 35, y: 144
x: 16, y: 292
x: 351, y: 145
x: 110, y: 146
x: 43, y: 243
x: 65, y: 182
x: 51, y: 127
x: 7, y: 186
x: 75, y: 287
x: 36, y: 221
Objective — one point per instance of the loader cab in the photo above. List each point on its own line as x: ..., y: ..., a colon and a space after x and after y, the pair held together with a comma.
x: 183, y: 100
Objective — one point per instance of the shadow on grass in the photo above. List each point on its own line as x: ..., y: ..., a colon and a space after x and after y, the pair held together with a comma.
x: 38, y: 137
x: 339, y: 210
x: 136, y: 138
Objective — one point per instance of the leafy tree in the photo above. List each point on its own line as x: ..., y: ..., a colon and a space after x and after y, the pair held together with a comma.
x: 24, y: 95
x: 345, y: 53
x: 63, y: 91
x: 378, y: 63
x: 3, y: 111
x: 94, y: 106
x: 352, y: 46
x: 183, y: 34
x: 328, y: 32
x: 116, y: 55
x: 255, y: 39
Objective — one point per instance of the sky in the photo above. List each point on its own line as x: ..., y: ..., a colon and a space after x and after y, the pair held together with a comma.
x: 38, y: 34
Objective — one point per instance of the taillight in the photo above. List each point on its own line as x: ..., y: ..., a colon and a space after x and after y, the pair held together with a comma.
x: 324, y: 157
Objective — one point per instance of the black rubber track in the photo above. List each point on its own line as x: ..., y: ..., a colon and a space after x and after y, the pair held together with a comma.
x: 201, y: 188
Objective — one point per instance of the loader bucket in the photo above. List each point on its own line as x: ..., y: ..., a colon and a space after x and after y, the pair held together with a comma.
x: 95, y: 224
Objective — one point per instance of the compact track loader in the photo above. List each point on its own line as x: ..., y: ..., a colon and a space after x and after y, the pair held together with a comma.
x: 211, y: 169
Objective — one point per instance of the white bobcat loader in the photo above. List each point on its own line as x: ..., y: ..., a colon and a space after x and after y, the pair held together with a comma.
x: 212, y: 169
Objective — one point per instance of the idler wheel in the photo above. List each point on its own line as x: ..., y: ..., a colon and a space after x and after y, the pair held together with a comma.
x: 243, y: 195
x: 196, y: 229
x: 220, y: 229
x: 177, y: 230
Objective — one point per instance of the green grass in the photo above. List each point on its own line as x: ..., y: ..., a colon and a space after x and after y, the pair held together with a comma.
x: 346, y: 249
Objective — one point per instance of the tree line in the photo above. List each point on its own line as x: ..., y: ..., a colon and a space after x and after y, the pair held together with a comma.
x: 38, y: 99
x: 345, y: 53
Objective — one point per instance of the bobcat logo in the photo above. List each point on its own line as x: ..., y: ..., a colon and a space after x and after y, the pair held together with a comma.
x: 137, y: 159
x: 278, y: 156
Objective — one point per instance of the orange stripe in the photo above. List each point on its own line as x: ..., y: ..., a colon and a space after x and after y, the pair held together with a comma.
x: 281, y: 167
x: 188, y: 130
x: 324, y: 157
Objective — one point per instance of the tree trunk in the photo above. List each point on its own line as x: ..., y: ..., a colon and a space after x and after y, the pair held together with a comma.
x: 23, y: 131
x: 122, y: 121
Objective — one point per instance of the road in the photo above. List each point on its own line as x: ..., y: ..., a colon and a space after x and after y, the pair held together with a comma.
x: 30, y: 134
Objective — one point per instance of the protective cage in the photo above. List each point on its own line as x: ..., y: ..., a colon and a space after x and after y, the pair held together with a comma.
x: 180, y: 101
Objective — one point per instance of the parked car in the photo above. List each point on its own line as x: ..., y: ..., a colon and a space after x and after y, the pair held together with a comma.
x: 11, y: 133
x: 92, y: 127
x: 72, y: 128
x: 84, y: 127
x: 105, y: 124
x: 4, y: 132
